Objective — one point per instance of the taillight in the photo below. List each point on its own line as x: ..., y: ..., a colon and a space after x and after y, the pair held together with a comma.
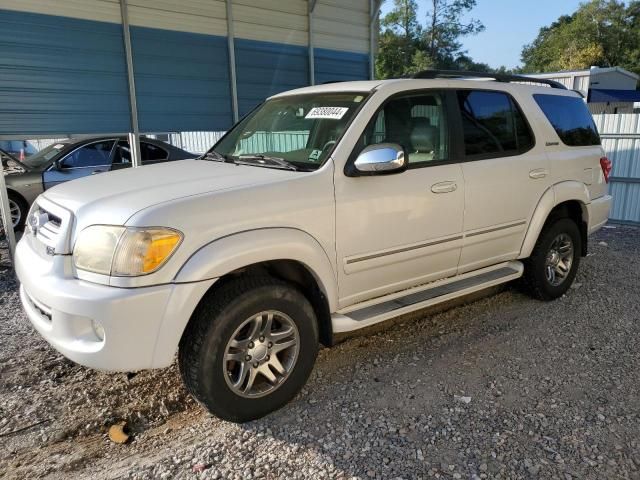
x: 606, y: 166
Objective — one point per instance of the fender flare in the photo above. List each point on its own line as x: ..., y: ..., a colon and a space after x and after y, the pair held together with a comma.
x: 553, y: 196
x: 242, y: 249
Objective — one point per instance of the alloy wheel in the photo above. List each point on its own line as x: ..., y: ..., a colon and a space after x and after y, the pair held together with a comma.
x: 15, y: 213
x: 559, y: 260
x: 261, y: 354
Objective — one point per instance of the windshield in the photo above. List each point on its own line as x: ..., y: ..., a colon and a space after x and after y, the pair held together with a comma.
x: 299, y: 130
x: 44, y: 156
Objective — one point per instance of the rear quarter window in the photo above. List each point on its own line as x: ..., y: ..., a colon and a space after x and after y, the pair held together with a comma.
x: 570, y: 118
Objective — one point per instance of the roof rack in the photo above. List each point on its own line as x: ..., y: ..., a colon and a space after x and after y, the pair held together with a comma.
x: 498, y: 77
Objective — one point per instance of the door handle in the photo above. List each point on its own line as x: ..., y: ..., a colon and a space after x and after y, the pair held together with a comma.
x: 444, y: 187
x: 538, y: 173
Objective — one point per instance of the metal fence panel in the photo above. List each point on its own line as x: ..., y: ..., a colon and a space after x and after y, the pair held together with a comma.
x: 620, y: 135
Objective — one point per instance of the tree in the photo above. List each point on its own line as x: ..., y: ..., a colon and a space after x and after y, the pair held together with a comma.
x: 406, y: 46
x: 605, y: 33
x: 399, y: 39
x: 445, y: 28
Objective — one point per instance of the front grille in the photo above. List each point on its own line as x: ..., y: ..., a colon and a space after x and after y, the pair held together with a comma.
x: 48, y: 224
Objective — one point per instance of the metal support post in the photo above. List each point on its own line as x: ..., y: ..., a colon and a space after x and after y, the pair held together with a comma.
x: 134, y: 137
x: 312, y: 60
x: 232, y: 62
x: 374, y: 7
x: 6, y: 215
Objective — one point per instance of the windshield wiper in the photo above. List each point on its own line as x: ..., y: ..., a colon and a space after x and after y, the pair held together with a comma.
x: 265, y: 161
x: 216, y: 157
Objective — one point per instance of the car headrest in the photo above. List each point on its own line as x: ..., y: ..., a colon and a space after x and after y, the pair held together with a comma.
x: 424, y: 136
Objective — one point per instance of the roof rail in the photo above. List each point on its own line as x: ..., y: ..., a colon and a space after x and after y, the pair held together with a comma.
x: 498, y: 77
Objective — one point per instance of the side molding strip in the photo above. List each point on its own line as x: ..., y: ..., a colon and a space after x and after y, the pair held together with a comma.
x: 402, y: 250
x: 489, y: 230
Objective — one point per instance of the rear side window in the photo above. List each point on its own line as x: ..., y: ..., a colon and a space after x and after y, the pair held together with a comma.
x: 570, y: 118
x: 493, y: 125
x: 151, y: 152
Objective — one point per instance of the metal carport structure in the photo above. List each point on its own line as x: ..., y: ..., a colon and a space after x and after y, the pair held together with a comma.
x: 156, y: 66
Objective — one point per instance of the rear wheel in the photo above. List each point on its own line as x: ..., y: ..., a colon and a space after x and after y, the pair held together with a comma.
x: 249, y: 348
x: 553, y: 264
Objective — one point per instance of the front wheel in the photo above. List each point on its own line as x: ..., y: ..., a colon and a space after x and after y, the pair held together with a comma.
x: 249, y: 348
x: 18, y: 210
x: 553, y: 264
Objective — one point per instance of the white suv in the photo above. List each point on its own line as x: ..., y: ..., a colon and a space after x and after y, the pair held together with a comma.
x: 325, y: 210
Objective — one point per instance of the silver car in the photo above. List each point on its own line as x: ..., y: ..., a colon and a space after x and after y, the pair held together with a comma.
x: 70, y: 159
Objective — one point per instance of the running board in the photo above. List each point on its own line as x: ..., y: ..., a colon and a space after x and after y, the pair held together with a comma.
x: 380, y: 309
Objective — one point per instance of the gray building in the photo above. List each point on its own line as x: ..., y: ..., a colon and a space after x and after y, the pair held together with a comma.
x: 607, y: 90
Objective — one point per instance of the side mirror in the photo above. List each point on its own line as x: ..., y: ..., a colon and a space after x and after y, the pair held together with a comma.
x: 381, y: 159
x: 57, y: 165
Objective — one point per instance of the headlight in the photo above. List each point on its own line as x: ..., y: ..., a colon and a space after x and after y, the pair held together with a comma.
x: 122, y: 251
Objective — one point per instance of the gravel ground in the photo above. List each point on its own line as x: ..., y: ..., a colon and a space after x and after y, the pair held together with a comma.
x: 505, y: 387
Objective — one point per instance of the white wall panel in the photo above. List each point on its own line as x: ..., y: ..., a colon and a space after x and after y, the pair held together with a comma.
x: 343, y: 25
x: 100, y: 10
x: 194, y: 16
x: 581, y: 82
x: 298, y: 7
x: 283, y: 21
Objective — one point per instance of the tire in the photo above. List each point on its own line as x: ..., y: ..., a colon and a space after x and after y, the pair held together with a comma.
x: 215, y: 323
x: 536, y: 277
x: 19, y: 211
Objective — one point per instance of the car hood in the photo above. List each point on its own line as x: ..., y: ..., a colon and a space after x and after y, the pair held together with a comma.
x: 113, y: 197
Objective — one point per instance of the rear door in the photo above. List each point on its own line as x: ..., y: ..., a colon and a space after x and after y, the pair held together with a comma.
x: 574, y: 151
x: 505, y: 174
x: 88, y: 159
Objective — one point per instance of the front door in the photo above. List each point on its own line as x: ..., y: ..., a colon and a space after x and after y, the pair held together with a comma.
x: 400, y: 230
x: 88, y: 159
x: 505, y: 174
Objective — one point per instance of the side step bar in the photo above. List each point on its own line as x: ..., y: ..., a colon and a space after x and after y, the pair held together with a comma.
x: 380, y: 309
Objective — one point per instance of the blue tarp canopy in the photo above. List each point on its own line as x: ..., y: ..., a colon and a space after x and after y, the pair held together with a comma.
x: 608, y: 95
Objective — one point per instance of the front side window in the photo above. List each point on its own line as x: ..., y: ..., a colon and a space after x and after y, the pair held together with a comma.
x: 570, y: 118
x: 417, y: 123
x: 299, y: 129
x: 492, y: 124
x: 93, y: 155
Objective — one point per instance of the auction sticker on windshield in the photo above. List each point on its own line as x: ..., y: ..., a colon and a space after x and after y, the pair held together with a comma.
x: 333, y: 113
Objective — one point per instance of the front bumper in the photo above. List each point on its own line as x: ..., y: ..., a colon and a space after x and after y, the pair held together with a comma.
x: 141, y: 326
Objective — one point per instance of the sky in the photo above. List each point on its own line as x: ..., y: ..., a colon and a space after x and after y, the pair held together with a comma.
x: 509, y: 25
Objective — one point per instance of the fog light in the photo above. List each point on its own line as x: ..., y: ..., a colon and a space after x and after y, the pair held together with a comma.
x: 98, y: 330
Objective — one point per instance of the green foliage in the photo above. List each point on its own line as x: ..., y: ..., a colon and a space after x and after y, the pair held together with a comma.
x: 605, y: 33
x: 406, y: 46
x: 445, y: 28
